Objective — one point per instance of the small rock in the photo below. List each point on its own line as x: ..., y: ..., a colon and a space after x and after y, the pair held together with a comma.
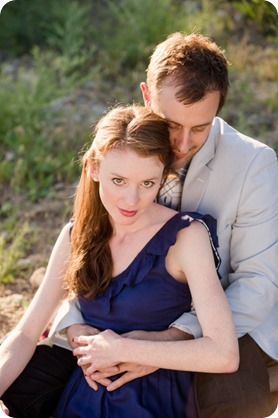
x: 14, y: 299
x: 23, y: 263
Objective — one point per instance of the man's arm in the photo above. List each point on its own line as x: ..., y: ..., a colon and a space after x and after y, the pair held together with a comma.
x: 68, y: 315
x: 253, y: 289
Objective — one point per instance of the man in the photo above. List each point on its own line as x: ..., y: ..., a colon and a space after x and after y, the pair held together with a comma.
x: 234, y: 178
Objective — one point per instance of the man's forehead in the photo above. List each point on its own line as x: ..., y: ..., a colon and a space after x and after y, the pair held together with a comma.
x: 196, y: 114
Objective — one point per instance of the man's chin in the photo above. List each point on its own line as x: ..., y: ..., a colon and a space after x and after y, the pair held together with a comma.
x: 180, y: 163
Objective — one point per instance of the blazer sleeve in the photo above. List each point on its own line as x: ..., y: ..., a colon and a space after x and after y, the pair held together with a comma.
x: 68, y: 314
x: 253, y: 289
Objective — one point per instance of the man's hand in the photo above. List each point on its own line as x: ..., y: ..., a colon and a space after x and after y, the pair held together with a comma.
x: 78, y: 330
x: 130, y: 372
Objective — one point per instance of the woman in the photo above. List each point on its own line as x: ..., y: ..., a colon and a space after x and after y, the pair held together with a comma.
x: 133, y: 264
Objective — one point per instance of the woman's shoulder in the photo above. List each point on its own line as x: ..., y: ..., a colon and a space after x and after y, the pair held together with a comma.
x: 66, y: 229
x: 65, y: 232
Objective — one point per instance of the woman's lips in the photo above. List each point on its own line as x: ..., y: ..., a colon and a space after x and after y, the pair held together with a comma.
x: 128, y: 213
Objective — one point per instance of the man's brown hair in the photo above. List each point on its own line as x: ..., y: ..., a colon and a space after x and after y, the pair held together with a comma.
x: 194, y: 63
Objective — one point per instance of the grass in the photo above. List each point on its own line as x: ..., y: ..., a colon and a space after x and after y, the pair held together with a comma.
x: 101, y: 49
x: 12, y: 248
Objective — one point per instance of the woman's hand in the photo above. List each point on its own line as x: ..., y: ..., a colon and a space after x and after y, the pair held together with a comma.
x: 78, y: 330
x: 100, y: 351
x: 75, y: 331
x: 4, y: 411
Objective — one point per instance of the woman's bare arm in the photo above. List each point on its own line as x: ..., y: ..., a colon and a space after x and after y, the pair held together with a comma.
x: 19, y: 346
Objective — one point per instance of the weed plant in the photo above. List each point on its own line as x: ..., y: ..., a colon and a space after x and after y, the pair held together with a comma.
x: 12, y: 248
x: 33, y: 160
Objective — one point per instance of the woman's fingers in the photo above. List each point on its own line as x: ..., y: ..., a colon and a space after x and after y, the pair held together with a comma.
x: 4, y: 411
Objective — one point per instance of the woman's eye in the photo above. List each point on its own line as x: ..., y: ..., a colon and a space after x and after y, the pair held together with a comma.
x: 117, y: 181
x: 148, y: 184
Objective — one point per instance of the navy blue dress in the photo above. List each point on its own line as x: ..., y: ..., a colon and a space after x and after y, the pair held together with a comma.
x: 143, y: 297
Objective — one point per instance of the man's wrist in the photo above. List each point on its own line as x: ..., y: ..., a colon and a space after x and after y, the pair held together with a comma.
x: 175, y: 334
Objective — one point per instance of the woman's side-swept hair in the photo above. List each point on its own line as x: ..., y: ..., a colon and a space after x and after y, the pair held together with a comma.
x: 134, y: 128
x: 194, y: 63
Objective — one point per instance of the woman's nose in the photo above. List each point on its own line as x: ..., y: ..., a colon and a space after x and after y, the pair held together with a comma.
x: 132, y: 196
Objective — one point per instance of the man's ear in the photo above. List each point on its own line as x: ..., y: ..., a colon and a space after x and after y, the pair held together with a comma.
x: 145, y: 94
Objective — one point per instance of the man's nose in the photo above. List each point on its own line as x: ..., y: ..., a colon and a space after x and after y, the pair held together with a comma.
x: 181, y: 141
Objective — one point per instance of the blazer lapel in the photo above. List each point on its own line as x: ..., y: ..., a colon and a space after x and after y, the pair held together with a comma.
x: 199, y: 171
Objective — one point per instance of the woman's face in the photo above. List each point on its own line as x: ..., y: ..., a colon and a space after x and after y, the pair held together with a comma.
x: 128, y: 184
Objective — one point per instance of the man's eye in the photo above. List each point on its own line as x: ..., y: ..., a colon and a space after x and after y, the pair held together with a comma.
x: 117, y: 181
x: 170, y: 126
x: 201, y: 129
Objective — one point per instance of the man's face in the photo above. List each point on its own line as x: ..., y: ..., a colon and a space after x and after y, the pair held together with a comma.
x: 189, y: 125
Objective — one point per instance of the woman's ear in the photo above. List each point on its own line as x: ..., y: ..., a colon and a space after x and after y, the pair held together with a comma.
x: 95, y: 173
x: 92, y: 171
x: 145, y: 94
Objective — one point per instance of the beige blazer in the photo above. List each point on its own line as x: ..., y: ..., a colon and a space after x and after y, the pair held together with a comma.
x: 235, y: 179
